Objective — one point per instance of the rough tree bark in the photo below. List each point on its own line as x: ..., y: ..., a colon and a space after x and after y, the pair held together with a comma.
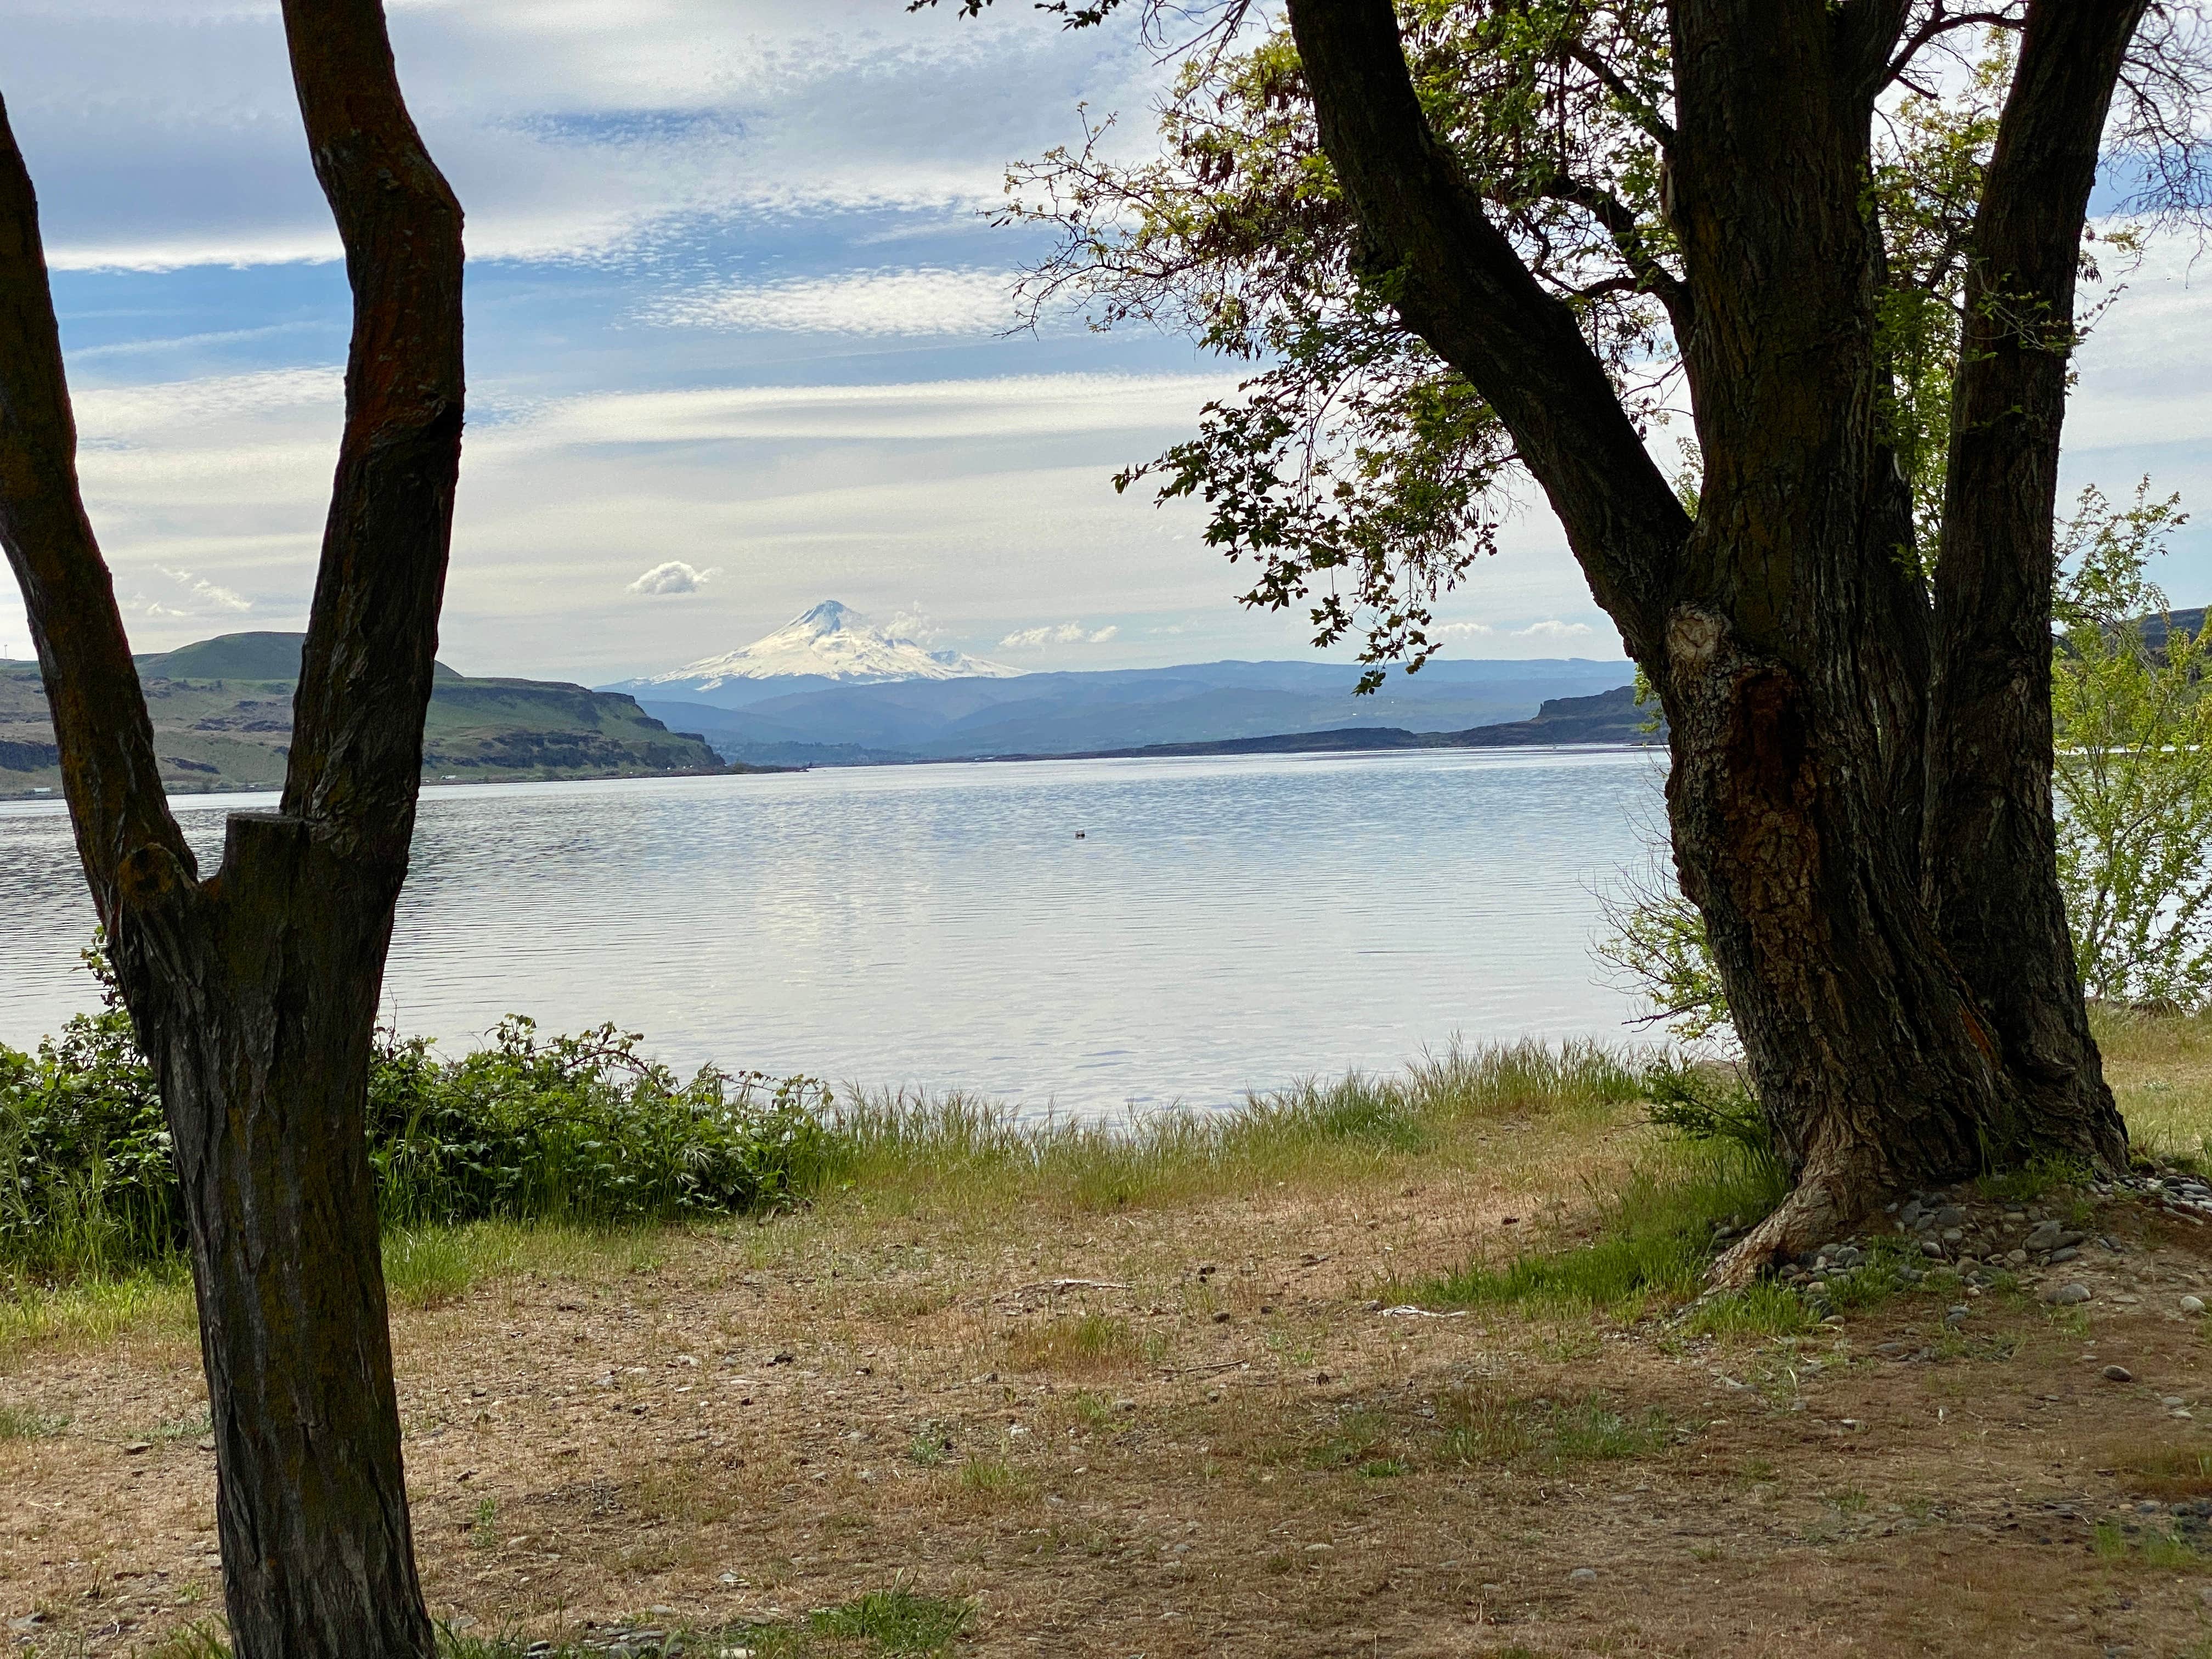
x: 1860, y: 795
x: 254, y: 991
x: 1994, y: 893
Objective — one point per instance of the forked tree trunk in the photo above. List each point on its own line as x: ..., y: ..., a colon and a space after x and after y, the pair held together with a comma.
x: 259, y: 1022
x: 1860, y: 796
x: 255, y: 991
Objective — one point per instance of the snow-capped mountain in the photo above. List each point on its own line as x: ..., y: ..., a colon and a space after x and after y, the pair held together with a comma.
x: 830, y: 643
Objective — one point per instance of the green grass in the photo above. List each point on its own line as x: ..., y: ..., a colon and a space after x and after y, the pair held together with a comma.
x: 910, y: 1147
x: 897, y: 1620
x: 1764, y: 1309
x: 436, y: 1267
x: 2154, y: 1546
x: 22, y: 1423
x: 2033, y: 1182
x: 95, y: 1310
x: 1480, y: 1427
x: 993, y: 1479
x: 1092, y: 1344
x: 1648, y: 1249
x: 1477, y: 1425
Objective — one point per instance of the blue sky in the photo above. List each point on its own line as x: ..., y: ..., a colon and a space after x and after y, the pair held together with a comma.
x: 731, y: 305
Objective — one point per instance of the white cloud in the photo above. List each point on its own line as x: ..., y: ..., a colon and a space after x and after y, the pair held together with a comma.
x: 1069, y: 633
x: 208, y: 593
x: 1550, y: 628
x: 1025, y: 407
x: 673, y: 577
x: 921, y: 302
x: 914, y: 623
x: 166, y: 135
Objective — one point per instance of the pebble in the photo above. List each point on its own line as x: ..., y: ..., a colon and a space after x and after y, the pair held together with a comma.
x: 1582, y: 1576
x: 2066, y: 1293
x: 2119, y: 1374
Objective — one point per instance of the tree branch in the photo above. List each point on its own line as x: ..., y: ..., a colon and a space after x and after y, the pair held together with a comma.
x: 1620, y: 223
x: 131, y: 848
x: 1940, y: 23
x: 356, y: 760
x: 1458, y: 282
x: 1647, y: 118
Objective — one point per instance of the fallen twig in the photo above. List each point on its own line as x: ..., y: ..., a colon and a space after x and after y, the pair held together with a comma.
x: 1056, y: 1285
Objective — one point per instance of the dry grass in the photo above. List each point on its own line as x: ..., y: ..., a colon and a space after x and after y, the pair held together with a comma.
x: 1220, y: 1444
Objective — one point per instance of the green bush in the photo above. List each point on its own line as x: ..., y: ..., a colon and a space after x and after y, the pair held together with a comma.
x: 570, y: 1128
x: 581, y: 1128
x: 85, y: 1182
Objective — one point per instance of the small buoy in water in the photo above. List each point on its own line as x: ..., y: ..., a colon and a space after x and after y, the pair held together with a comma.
x: 1078, y: 834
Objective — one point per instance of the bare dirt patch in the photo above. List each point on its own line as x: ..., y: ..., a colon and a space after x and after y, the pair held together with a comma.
x: 1217, y: 1443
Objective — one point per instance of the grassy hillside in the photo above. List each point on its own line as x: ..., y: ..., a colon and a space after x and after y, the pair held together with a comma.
x: 222, y: 721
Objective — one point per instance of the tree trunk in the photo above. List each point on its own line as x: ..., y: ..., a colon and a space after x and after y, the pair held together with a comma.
x: 1791, y: 644
x: 259, y: 1028
x: 255, y: 991
x: 1992, y: 869
x: 1793, y: 796
x: 1863, y: 1043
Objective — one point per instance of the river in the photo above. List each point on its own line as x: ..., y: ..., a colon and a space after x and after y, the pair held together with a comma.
x: 1078, y: 935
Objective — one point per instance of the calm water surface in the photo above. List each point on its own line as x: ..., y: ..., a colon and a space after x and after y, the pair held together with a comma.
x: 1223, y: 925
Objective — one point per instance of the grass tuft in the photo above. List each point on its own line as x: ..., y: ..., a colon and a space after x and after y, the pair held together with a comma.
x: 1765, y: 1309
x: 1649, y: 1248
x: 1093, y: 1345
x: 960, y: 1148
x: 2159, y: 1470
x: 897, y: 1620
x: 22, y: 1423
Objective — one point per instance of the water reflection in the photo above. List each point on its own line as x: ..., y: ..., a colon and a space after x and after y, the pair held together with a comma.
x: 1222, y: 924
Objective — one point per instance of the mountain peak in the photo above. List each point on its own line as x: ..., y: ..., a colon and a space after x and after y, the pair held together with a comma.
x: 827, y: 617
x: 833, y: 642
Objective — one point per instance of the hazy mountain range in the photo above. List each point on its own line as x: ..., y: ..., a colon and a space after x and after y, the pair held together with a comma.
x: 830, y: 688
x: 845, y: 692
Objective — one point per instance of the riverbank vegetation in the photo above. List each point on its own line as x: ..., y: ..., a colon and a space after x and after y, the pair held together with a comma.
x: 583, y: 1131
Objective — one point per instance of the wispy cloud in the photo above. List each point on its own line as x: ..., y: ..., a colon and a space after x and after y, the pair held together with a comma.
x: 921, y: 302
x: 913, y: 623
x: 195, y: 598
x: 1029, y: 406
x: 1068, y: 633
x: 580, y: 128
x: 673, y: 577
x: 1562, y: 632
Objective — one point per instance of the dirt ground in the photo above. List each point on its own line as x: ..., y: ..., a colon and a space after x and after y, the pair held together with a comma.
x: 1223, y: 1444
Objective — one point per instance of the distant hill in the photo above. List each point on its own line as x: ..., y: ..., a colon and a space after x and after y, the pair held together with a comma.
x: 222, y: 721
x: 239, y: 657
x: 811, y: 723
x: 1611, y: 717
x: 2155, y: 626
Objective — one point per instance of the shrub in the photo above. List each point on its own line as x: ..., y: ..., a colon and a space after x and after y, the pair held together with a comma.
x: 574, y: 1128
x: 85, y: 1182
x: 581, y: 1128
x: 2134, y: 780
